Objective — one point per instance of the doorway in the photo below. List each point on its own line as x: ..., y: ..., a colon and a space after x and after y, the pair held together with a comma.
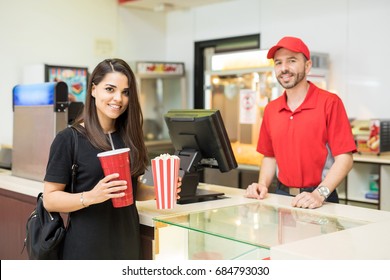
x: 205, y: 49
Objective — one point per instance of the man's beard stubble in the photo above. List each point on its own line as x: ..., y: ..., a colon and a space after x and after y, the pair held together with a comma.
x: 297, y: 78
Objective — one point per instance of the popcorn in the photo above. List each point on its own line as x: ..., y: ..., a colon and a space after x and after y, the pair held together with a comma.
x: 166, y: 156
x: 165, y: 170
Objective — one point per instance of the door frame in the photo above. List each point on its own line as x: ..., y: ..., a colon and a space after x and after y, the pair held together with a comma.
x: 230, y: 44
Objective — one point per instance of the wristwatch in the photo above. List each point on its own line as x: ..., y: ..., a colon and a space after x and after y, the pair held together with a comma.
x: 324, y: 191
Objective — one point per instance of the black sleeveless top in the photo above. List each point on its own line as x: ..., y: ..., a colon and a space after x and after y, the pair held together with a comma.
x: 99, y: 231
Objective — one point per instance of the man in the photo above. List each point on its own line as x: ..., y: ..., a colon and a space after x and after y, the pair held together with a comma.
x: 305, y: 137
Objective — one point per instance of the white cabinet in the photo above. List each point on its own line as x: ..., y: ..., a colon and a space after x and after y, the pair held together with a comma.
x: 368, y: 171
x: 341, y: 190
x: 384, y: 201
x: 358, y: 184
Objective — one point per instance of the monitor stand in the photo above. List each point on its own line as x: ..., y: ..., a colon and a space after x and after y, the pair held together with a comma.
x: 200, y: 196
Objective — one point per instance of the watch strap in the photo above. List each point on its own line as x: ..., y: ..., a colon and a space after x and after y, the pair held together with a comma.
x: 323, y: 191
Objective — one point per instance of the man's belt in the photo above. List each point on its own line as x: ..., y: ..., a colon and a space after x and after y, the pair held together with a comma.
x: 294, y: 191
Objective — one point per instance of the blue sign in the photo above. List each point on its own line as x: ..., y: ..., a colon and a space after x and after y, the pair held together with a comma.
x: 34, y: 94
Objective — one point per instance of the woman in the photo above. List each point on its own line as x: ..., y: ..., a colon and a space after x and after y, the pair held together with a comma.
x: 98, y: 230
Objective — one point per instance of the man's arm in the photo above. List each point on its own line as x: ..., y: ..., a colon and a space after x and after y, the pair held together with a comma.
x: 339, y: 170
x: 267, y: 172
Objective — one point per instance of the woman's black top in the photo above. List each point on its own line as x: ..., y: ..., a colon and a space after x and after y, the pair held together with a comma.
x: 99, y: 231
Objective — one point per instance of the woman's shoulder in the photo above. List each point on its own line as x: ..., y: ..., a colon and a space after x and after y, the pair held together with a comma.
x: 64, y: 137
x: 71, y: 130
x: 65, y: 134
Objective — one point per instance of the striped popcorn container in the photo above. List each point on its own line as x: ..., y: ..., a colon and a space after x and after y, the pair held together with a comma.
x: 165, y: 170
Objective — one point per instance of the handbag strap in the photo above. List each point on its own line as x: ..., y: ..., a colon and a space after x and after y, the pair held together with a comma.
x: 74, y: 166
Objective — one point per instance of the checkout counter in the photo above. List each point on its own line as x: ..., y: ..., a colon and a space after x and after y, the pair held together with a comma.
x: 233, y: 227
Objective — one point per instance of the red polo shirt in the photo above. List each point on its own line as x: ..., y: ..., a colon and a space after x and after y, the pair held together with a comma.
x: 304, y: 142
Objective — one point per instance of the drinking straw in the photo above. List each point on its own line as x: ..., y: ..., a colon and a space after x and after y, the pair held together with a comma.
x: 112, y: 143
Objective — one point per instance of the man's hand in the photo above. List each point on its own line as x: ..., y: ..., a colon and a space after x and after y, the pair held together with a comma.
x: 256, y: 190
x: 308, y: 200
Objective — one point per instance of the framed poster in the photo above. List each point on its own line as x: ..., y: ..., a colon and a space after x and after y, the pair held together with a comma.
x: 248, y: 106
x: 75, y: 77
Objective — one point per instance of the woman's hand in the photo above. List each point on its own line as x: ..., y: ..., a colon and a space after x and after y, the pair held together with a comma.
x: 178, y: 188
x: 146, y: 192
x: 106, y: 188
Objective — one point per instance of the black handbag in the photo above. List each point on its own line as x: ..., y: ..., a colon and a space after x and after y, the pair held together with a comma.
x: 45, y: 231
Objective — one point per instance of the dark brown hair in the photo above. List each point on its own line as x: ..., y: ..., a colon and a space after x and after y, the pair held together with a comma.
x: 129, y: 124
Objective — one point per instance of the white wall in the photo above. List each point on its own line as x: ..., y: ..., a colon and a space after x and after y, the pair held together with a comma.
x: 214, y: 21
x: 367, y: 58
x: 64, y: 32
x: 348, y: 30
x: 48, y: 31
x: 142, y: 35
x: 353, y: 32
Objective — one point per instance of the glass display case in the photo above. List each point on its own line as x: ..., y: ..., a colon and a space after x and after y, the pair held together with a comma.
x: 245, y: 231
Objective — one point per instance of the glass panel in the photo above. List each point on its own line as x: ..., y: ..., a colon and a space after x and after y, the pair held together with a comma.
x: 174, y: 242
x: 208, y: 247
x: 256, y: 225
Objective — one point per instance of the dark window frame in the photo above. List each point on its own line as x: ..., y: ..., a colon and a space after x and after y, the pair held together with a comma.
x: 199, y: 59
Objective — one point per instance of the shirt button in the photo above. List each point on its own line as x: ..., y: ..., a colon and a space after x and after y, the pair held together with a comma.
x: 291, y: 117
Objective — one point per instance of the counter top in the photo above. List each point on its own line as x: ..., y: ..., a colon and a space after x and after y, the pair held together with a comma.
x: 19, y: 185
x: 383, y: 158
x: 364, y: 236
x: 369, y: 241
x: 233, y: 196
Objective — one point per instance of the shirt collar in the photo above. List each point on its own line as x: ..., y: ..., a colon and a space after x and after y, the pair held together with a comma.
x: 309, y: 102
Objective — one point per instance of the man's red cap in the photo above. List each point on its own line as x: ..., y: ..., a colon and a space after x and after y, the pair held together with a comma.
x: 291, y: 43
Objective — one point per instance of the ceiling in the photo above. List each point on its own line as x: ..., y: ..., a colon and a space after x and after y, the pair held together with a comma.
x: 167, y: 5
